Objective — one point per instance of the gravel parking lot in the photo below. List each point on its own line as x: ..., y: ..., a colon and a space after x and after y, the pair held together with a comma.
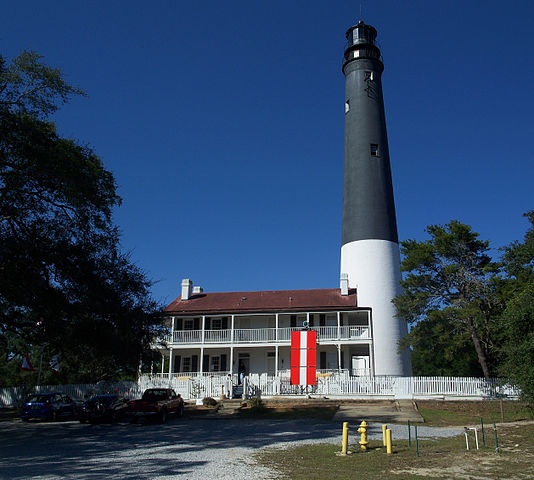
x: 186, y: 448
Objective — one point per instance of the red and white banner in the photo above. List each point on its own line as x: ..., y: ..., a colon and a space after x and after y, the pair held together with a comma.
x: 304, y: 357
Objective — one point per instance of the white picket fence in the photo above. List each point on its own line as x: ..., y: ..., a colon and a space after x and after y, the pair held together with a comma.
x: 15, y: 396
x: 331, y: 385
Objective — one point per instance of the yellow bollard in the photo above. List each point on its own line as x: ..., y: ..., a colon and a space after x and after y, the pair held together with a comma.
x: 384, y: 428
x: 363, y: 432
x: 345, y: 438
x: 388, y: 441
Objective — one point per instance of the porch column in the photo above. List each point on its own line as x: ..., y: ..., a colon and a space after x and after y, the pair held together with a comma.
x: 339, y: 356
x: 372, y: 359
x: 171, y: 361
x: 232, y: 332
x: 339, y: 325
x: 276, y: 347
x: 232, y: 336
x: 276, y: 360
x: 172, y: 329
x: 162, y: 364
x: 202, y: 340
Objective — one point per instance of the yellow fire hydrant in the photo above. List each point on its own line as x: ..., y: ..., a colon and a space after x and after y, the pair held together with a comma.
x: 363, y: 433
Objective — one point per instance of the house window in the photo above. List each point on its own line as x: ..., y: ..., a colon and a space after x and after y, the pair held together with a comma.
x: 215, y: 362
x: 186, y: 364
x: 216, y: 324
x: 322, y: 360
x: 374, y: 150
x: 188, y: 324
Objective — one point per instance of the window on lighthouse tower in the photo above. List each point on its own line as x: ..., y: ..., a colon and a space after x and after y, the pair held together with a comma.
x: 374, y: 150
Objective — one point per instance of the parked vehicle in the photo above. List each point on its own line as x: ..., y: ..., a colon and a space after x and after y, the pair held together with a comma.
x: 48, y: 406
x: 103, y: 408
x: 157, y: 403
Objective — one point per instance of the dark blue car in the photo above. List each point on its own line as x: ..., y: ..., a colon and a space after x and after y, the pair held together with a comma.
x: 103, y: 408
x: 48, y: 406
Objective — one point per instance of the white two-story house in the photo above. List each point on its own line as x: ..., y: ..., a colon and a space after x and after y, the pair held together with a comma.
x: 230, y: 332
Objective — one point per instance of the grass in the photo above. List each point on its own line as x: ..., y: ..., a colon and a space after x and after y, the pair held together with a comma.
x: 440, y: 413
x: 434, y: 458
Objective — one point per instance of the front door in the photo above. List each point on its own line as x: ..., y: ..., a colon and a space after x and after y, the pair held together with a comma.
x: 359, y: 366
x: 243, y: 365
x: 271, y: 357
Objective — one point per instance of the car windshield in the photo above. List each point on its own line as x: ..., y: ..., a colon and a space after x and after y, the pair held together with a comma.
x: 155, y: 395
x: 39, y: 399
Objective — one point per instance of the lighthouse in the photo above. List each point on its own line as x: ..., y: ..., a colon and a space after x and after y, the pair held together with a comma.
x: 370, y: 257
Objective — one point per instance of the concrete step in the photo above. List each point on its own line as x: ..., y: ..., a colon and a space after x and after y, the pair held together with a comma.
x: 229, y: 406
x: 386, y: 411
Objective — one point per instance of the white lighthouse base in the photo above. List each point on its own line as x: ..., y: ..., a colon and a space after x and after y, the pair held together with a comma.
x: 373, y: 268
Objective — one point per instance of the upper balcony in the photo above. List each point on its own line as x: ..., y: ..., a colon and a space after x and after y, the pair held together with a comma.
x: 271, y: 336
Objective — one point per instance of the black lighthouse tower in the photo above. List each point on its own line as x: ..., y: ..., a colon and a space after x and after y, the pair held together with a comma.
x: 370, y: 256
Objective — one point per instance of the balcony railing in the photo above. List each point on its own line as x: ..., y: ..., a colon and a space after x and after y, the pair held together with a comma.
x: 267, y: 335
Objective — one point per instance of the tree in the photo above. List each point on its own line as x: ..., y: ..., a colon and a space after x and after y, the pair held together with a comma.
x: 516, y: 334
x: 519, y: 257
x: 441, y: 349
x: 65, y: 285
x: 451, y: 282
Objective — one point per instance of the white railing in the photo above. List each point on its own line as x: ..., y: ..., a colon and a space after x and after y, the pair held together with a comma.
x: 217, y: 336
x: 187, y: 336
x: 332, y: 383
x: 268, y: 335
x: 255, y: 335
x: 340, y: 383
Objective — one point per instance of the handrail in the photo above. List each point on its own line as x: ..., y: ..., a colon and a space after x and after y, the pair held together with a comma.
x: 268, y: 335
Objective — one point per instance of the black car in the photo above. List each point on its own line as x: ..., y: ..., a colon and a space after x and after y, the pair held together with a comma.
x: 48, y: 406
x: 103, y: 408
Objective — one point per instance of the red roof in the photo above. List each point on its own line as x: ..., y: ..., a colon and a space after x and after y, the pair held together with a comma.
x: 268, y: 301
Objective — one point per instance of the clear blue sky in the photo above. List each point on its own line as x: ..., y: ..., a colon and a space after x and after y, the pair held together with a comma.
x: 223, y: 124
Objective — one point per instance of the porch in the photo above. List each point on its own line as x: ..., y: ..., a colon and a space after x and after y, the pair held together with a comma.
x: 354, y: 358
x: 272, y: 336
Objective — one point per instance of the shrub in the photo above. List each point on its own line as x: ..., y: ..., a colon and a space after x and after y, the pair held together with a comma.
x: 209, y: 402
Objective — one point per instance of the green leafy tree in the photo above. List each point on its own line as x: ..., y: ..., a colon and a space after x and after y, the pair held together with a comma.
x: 450, y: 287
x: 65, y: 286
x: 441, y: 349
x: 516, y: 335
